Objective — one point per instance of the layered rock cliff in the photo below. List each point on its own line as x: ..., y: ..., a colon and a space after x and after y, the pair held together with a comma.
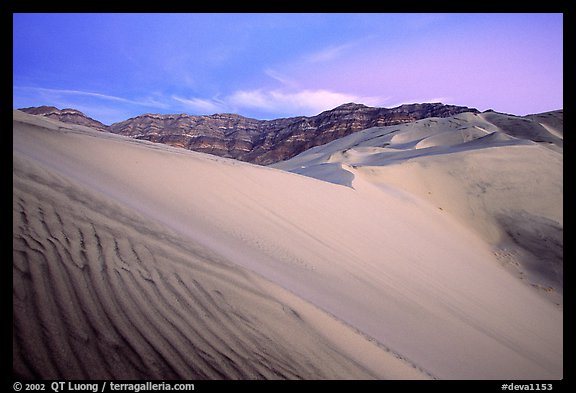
x: 257, y: 141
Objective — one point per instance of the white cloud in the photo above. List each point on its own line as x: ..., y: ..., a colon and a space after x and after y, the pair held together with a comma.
x: 278, y: 102
x: 304, y: 102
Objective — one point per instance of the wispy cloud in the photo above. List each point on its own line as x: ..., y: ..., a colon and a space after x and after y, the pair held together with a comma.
x: 67, y: 92
x: 103, y: 107
x: 329, y: 53
x: 201, y: 105
x: 340, y: 50
x: 280, y: 77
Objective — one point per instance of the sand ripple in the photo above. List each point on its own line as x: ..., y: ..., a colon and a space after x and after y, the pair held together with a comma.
x: 100, y: 293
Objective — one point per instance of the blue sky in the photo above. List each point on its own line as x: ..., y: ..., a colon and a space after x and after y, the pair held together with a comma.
x: 266, y: 66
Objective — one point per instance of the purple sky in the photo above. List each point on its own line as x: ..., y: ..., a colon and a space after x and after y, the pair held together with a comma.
x: 116, y: 66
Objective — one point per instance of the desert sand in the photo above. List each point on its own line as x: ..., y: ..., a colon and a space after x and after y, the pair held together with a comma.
x: 397, y: 256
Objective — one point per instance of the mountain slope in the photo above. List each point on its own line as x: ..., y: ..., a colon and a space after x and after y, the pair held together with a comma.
x: 139, y: 260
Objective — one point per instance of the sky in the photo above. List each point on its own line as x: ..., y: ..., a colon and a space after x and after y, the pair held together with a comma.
x: 267, y: 66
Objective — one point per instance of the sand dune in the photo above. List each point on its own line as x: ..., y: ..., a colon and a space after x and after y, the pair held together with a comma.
x: 102, y: 291
x: 136, y: 260
x: 497, y: 174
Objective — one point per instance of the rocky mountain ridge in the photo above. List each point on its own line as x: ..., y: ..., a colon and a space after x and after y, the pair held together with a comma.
x: 257, y: 141
x: 66, y: 115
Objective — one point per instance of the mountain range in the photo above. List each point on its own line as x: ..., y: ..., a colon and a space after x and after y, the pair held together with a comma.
x: 261, y: 142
